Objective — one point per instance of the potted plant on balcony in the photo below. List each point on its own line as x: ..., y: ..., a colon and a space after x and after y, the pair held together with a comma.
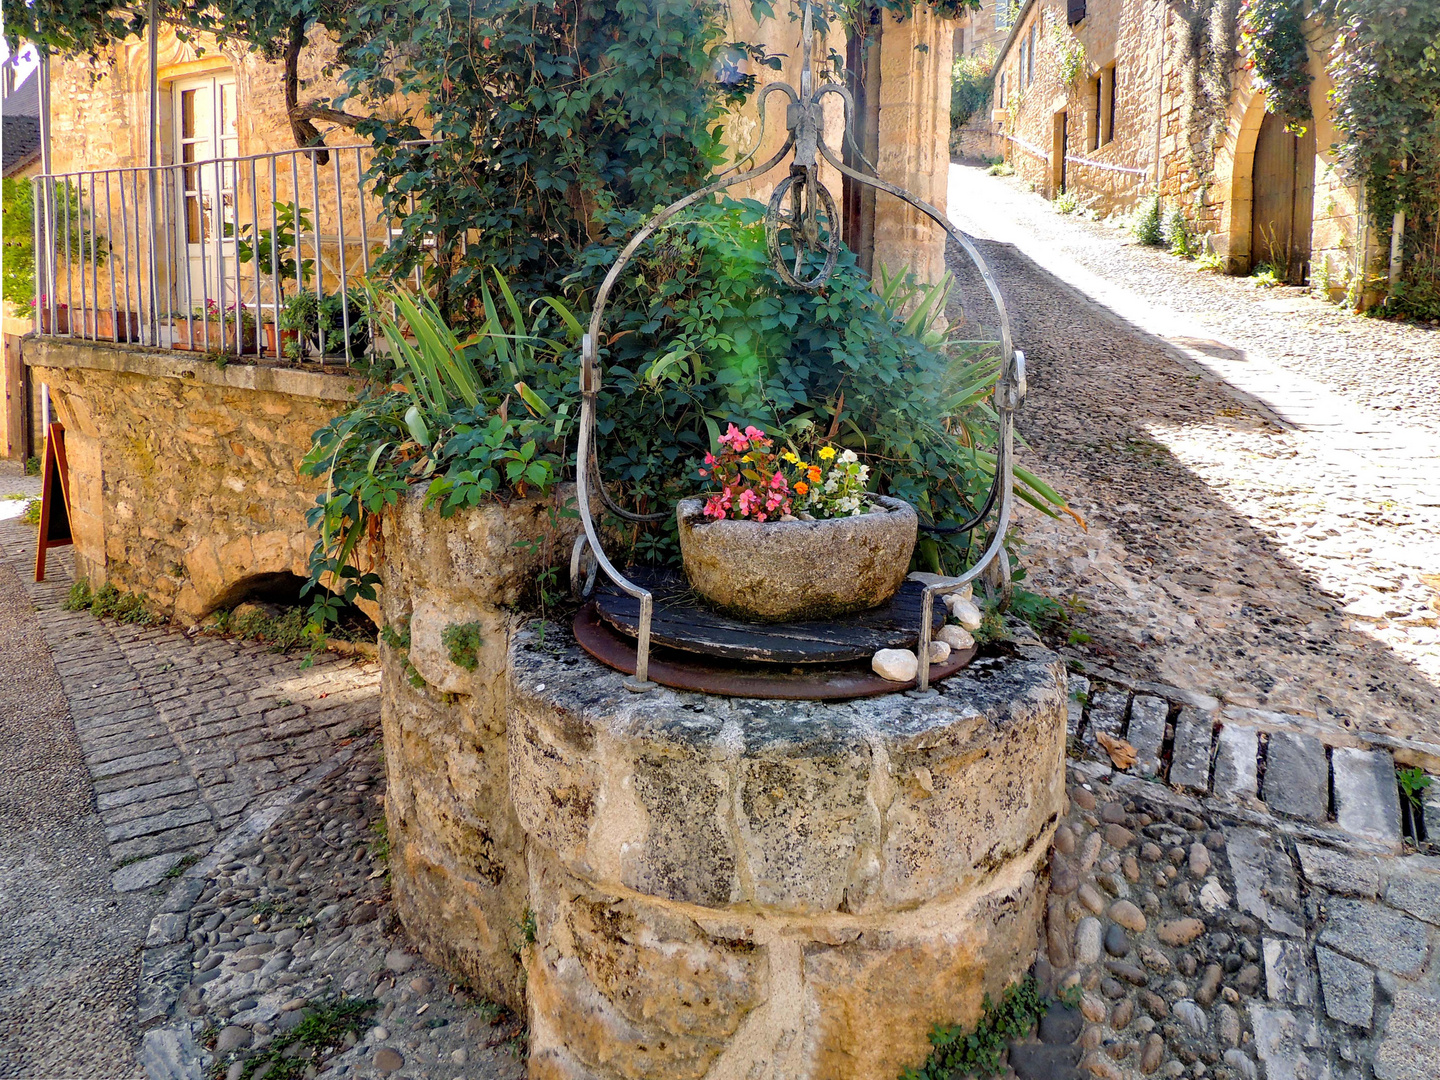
x: 311, y: 324
x: 276, y: 251
x: 213, y: 329
x: 779, y: 538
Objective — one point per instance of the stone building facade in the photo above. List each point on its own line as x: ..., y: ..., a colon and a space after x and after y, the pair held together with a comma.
x: 1115, y: 100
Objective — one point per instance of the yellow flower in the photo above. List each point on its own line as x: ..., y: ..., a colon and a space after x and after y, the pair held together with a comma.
x: 826, y: 453
x: 789, y: 456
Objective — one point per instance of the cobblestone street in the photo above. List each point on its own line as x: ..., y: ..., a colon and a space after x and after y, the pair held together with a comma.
x: 1258, y: 471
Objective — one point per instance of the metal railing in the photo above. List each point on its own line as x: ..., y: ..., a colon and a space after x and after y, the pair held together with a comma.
x: 246, y: 256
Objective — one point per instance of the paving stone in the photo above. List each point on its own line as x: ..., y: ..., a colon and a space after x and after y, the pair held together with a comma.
x: 1190, y: 759
x: 183, y: 839
x: 1367, y: 800
x: 1147, y: 732
x: 1410, y: 1049
x: 1038, y: 1061
x: 1107, y: 714
x: 136, y: 763
x: 174, y: 785
x: 145, y: 874
x: 1430, y: 812
x: 1265, y: 881
x: 1297, y: 776
x: 1415, y: 887
x: 1349, y: 988
x: 1079, y: 688
x: 157, y: 823
x: 1340, y: 873
x: 1376, y: 935
x: 1288, y: 1044
x: 1289, y: 977
x: 1236, y: 755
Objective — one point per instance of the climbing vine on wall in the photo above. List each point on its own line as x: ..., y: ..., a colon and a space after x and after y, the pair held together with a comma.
x: 1273, y: 34
x: 1208, y: 41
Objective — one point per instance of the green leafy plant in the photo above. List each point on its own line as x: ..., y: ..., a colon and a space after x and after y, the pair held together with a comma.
x: 1065, y: 48
x: 109, y: 602
x: 321, y: 1032
x: 1146, y: 225
x: 1413, y: 783
x: 971, y: 84
x: 32, y: 466
x: 462, y: 643
x: 1210, y: 262
x: 1267, y: 276
x: 1066, y: 203
x: 275, y: 248
x: 31, y: 514
x: 17, y: 234
x: 959, y: 1052
x: 319, y: 323
x: 1272, y: 33
x: 1183, y: 241
x: 1001, y: 168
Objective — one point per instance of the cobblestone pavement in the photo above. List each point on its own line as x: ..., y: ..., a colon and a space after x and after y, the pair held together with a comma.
x: 1239, y: 899
x: 288, y: 925
x: 1254, y: 533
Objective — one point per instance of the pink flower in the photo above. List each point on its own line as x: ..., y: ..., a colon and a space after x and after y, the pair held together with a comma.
x: 759, y: 517
x: 709, y: 459
x: 748, y: 502
x: 778, y: 482
x: 754, y: 434
x: 714, y: 508
x: 735, y: 439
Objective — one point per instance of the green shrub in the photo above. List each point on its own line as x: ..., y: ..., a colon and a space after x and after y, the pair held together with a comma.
x: 1183, y: 242
x: 1066, y: 203
x: 1146, y: 223
x: 462, y: 643
x: 959, y: 1052
x: 1002, y: 168
x: 31, y: 514
x: 970, y: 85
x: 109, y: 602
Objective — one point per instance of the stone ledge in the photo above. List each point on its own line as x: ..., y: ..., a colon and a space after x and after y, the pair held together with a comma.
x: 43, y: 352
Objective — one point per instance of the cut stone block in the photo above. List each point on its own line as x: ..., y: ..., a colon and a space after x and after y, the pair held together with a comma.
x: 1147, y: 733
x: 1235, y: 757
x: 1289, y: 978
x: 1415, y: 889
x: 1297, y: 776
x: 1349, y: 988
x: 1079, y: 688
x: 1345, y: 874
x: 1190, y: 761
x: 1377, y: 935
x: 1411, y: 1047
x: 1107, y: 714
x: 1289, y: 1045
x: 145, y: 874
x: 1431, y: 812
x: 1265, y: 882
x: 1367, y: 800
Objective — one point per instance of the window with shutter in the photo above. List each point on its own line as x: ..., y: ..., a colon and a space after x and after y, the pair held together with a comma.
x: 1075, y: 11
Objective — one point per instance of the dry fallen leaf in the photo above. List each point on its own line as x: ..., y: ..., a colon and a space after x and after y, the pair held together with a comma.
x: 1120, y: 751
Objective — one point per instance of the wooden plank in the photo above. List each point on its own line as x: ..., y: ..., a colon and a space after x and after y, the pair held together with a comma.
x: 54, y: 498
x: 679, y: 622
x: 15, y: 399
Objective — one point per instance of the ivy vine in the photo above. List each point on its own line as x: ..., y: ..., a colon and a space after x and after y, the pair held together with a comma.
x: 1273, y: 34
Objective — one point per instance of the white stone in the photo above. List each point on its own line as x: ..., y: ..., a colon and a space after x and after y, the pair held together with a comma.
x: 1088, y: 941
x: 939, y: 651
x: 897, y: 665
x: 957, y: 637
x: 965, y: 611
x: 1367, y: 801
x: 1213, y: 897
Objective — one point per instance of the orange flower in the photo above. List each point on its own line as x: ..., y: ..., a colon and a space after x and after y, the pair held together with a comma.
x: 801, y: 487
x: 814, y: 472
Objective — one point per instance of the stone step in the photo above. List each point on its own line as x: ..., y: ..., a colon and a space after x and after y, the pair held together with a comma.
x: 1147, y: 732
x: 1367, y: 798
x: 1297, y: 776
x: 1190, y: 759
x: 1236, y: 757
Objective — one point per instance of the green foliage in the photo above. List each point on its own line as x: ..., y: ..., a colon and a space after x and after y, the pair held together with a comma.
x: 958, y: 1053
x: 1413, y: 783
x: 31, y: 514
x: 971, y: 85
x: 276, y: 248
x: 32, y: 466
x: 322, y: 1031
x: 1146, y: 223
x: 1183, y: 242
x: 1065, y: 47
x: 320, y: 322
x: 1267, y: 276
x: 281, y: 632
x: 1210, y: 262
x: 528, y: 927
x: 1042, y: 613
x: 1066, y: 203
x: 1272, y: 33
x: 178, y: 870
x: 17, y: 233
x: 380, y: 845
x: 109, y: 602
x: 1000, y: 168
x: 462, y: 643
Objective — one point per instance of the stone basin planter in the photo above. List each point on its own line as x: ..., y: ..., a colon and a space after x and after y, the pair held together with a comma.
x: 781, y: 571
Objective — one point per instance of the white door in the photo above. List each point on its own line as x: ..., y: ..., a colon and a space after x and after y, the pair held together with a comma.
x: 204, y: 111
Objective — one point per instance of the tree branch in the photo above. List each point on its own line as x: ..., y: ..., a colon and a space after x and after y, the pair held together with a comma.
x: 315, y: 111
x: 306, y: 133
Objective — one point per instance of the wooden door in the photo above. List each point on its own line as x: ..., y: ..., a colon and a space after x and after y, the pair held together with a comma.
x: 205, y: 135
x: 1284, y: 197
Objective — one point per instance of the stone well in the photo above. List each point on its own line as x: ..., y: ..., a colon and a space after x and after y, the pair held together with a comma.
x: 677, y: 885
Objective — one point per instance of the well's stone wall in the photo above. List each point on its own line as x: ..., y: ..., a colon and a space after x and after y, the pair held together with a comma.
x: 184, y: 476
x: 737, y: 888
x: 457, y: 850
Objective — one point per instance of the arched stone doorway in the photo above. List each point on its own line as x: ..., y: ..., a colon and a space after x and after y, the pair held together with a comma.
x: 1283, y: 206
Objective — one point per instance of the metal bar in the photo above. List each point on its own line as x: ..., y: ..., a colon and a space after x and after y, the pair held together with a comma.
x: 110, y: 231
x: 255, y: 257
x: 166, y: 253
x: 115, y: 316
x: 300, y: 343
x: 39, y: 299
x: 70, y: 265
x: 340, y: 233
x: 321, y: 335
x: 94, y: 257
x: 360, y: 194
x: 277, y: 288
x: 220, y: 252
x: 201, y: 218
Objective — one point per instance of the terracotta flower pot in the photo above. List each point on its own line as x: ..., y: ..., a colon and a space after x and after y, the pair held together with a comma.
x: 62, y: 319
x: 786, y: 571
x: 190, y: 335
x: 107, y: 325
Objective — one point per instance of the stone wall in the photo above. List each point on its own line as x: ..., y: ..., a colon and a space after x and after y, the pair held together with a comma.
x: 457, y: 850
x: 184, y: 476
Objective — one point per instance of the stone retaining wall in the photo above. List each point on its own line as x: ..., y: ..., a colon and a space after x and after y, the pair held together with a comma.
x: 184, y: 475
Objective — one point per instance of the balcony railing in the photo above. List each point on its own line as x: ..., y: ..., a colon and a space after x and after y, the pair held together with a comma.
x: 249, y: 256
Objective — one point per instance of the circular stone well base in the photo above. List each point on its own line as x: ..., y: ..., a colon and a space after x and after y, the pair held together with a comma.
x: 726, y: 887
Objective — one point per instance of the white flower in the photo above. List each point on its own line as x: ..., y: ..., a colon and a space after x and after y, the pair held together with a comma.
x: 848, y: 457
